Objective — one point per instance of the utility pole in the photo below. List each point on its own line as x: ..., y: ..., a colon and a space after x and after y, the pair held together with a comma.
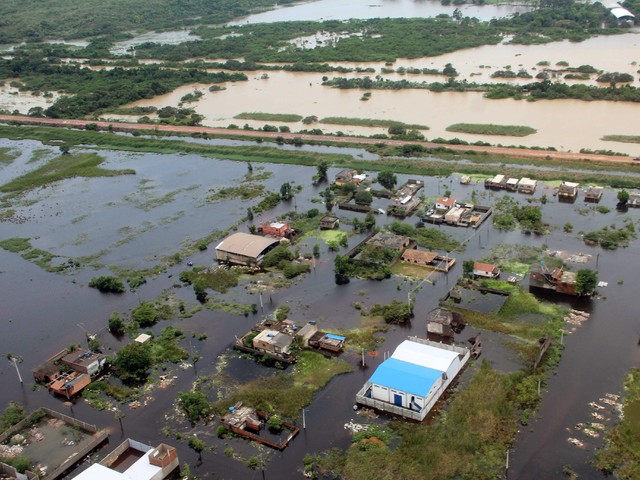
x: 304, y: 421
x: 15, y: 359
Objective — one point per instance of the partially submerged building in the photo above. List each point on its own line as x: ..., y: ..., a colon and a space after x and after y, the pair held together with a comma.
x: 329, y: 222
x: 443, y: 324
x: 412, y: 380
x: 245, y: 249
x: 248, y: 422
x: 68, y: 373
x: 634, y: 200
x: 568, y: 191
x: 389, y: 240
x: 550, y: 278
x: 273, y: 341
x: 133, y: 460
x: 485, y: 270
x: 593, y: 194
x: 349, y: 176
x: 276, y: 229
x: 428, y: 259
x: 527, y: 185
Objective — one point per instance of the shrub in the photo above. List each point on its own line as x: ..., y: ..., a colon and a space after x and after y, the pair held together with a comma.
x: 107, y: 284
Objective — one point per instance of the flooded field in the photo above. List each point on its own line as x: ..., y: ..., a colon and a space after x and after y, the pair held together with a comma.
x: 339, y: 10
x: 134, y: 221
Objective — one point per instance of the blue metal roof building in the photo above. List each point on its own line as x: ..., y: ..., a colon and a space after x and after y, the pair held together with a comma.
x: 406, y: 377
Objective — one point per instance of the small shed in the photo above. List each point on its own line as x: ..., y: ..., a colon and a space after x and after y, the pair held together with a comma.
x: 593, y: 194
x: 568, y: 190
x: 444, y: 323
x: 527, y: 185
x: 276, y: 229
x: 485, y: 270
x: 142, y: 338
x: 329, y: 222
x: 512, y: 184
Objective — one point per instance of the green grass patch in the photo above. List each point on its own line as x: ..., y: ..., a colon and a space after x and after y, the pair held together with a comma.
x: 501, y: 285
x: 220, y: 279
x: 243, y: 192
x: 491, y: 129
x: 620, y: 455
x: 269, y: 117
x: 285, y: 394
x: 38, y: 154
x: 409, y: 270
x: 61, y: 168
x: 40, y: 257
x: 622, y: 138
x: 372, y: 122
x: 8, y: 155
x: 166, y: 346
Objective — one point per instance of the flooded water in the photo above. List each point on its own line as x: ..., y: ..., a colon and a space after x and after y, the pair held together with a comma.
x: 133, y: 220
x: 163, y: 38
x: 340, y: 10
x: 563, y: 124
x: 12, y: 99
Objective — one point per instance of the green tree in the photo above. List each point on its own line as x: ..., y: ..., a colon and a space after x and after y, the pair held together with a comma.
x: 467, y: 267
x: 369, y: 220
x: 116, y: 324
x: 107, y: 284
x: 448, y: 70
x: 200, y: 288
x: 586, y: 281
x: 387, y: 179
x: 322, y: 167
x: 194, y: 404
x: 197, y: 446
x: 132, y: 363
x: 285, y: 191
x: 343, y: 269
x: 328, y: 196
x: 623, y: 197
x: 11, y: 415
x: 397, y: 130
x: 145, y: 315
x: 364, y: 198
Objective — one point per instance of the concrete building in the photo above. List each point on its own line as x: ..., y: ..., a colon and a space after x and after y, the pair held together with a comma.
x: 329, y: 222
x: 272, y: 341
x: 412, y: 380
x: 244, y: 249
x: 133, y: 460
x: 275, y: 229
x: 568, y: 190
x: 445, y: 203
x: 85, y: 361
x: 593, y: 194
x: 527, y: 185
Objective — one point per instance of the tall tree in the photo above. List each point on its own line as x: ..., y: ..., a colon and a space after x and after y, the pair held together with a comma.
x: 387, y: 179
x: 586, y: 281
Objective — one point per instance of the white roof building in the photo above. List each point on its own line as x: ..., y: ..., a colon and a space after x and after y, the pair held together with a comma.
x: 411, y: 381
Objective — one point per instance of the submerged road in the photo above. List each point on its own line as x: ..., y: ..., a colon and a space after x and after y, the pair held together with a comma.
x: 505, y: 151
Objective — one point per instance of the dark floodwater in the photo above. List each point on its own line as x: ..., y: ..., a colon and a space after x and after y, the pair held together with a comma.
x: 133, y: 220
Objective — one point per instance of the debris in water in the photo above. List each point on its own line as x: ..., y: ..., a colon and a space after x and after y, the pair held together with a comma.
x: 576, y: 442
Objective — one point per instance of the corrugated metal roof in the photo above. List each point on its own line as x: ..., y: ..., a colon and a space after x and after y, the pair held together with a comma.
x: 620, y: 12
x: 336, y: 337
x: 246, y: 244
x: 425, y: 355
x: 405, y: 377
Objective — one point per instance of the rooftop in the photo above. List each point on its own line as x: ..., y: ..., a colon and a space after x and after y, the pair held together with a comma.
x: 246, y: 244
x: 419, y: 255
x: 485, y: 267
x: 425, y: 355
x: 405, y: 376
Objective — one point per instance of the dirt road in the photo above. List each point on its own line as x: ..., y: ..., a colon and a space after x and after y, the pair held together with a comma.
x: 130, y: 127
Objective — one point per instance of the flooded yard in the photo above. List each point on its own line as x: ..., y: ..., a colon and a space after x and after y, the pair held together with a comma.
x: 135, y: 221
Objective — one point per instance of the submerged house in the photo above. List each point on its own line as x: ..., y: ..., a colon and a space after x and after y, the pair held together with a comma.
x: 593, y: 194
x: 568, y: 190
x: 244, y: 249
x: 329, y: 222
x: 444, y: 324
x: 410, y: 382
x: 527, y: 185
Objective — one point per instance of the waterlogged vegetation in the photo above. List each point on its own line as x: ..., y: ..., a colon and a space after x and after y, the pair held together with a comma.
x: 94, y: 91
x: 371, y: 122
x: 286, y: 393
x: 269, y: 117
x: 620, y: 455
x: 509, y: 214
x: 466, y: 441
x: 490, y: 129
x: 46, y: 260
x: 622, y: 138
x: 612, y: 237
x: 61, y: 168
x: 8, y: 155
